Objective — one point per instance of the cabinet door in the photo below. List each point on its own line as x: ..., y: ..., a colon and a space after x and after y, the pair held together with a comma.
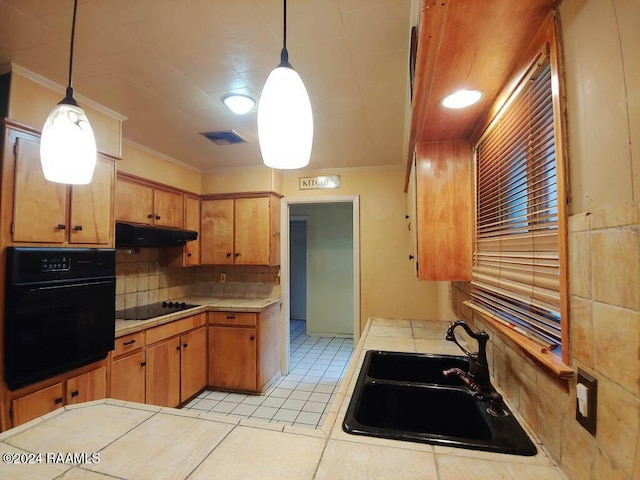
x: 39, y: 209
x: 192, y: 222
x: 232, y: 358
x: 133, y: 202
x: 253, y: 230
x: 91, y: 206
x: 168, y: 209
x: 127, y: 378
x: 193, y: 365
x: 36, y: 404
x: 163, y: 373
x: 216, y: 245
x: 412, y: 221
x: 88, y: 386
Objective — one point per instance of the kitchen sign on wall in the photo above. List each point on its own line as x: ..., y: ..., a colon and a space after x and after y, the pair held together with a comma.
x: 319, y: 182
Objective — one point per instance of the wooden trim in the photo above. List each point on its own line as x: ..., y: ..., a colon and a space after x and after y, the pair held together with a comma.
x: 536, y: 352
x: 220, y: 196
x: 153, y: 184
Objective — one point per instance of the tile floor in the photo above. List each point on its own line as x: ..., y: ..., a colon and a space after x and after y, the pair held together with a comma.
x: 303, y: 397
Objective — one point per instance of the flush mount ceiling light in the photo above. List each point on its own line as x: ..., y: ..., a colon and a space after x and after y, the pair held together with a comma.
x: 285, y: 121
x: 462, y: 99
x: 238, y: 103
x: 67, y: 146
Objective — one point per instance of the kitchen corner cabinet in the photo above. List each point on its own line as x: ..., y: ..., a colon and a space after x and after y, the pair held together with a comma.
x: 244, y: 349
x: 444, y: 212
x: 240, y: 231
x: 140, y: 203
x: 91, y: 385
x: 55, y: 213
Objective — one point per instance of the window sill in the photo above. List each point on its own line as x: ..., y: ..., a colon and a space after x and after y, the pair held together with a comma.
x: 538, y: 354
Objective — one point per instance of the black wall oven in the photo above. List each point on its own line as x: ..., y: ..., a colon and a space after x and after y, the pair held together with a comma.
x: 59, y: 311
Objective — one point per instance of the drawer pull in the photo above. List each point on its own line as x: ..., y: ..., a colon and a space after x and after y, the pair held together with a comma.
x: 130, y: 342
x: 58, y: 401
x: 78, y: 228
x: 74, y: 393
x: 231, y: 318
x: 61, y: 226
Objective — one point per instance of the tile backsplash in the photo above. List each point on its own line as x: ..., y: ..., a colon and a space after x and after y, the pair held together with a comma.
x: 604, y: 293
x: 142, y: 278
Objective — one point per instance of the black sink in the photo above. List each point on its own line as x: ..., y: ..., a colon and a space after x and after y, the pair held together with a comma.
x: 404, y: 396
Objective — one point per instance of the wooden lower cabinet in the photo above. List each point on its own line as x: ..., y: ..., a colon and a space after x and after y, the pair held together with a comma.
x: 232, y: 357
x: 163, y: 373
x: 128, y: 378
x: 193, y: 363
x: 91, y: 385
x: 244, y: 349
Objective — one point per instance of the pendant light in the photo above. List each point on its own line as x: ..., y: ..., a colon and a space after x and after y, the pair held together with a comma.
x: 285, y: 121
x: 67, y: 146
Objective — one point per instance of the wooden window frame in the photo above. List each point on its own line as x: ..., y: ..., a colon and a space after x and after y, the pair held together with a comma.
x: 546, y: 38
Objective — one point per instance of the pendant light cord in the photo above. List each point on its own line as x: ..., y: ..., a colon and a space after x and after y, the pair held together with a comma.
x: 284, y: 54
x: 73, y: 34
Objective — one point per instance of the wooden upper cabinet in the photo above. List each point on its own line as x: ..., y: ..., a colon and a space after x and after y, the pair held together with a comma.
x: 56, y: 213
x: 134, y: 202
x: 216, y: 235
x: 91, y: 206
x: 241, y: 231
x: 139, y: 203
x: 444, y: 210
x: 192, y: 222
x: 168, y: 208
x: 39, y: 206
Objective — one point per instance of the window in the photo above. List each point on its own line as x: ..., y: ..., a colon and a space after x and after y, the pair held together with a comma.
x: 517, y: 274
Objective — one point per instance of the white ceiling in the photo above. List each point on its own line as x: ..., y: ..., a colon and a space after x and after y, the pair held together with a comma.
x: 165, y: 64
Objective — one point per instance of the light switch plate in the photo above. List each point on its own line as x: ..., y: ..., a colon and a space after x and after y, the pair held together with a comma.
x: 590, y: 382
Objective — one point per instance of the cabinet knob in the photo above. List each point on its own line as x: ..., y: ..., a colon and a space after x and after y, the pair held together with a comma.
x: 411, y: 257
x: 143, y: 364
x: 58, y: 401
x: 406, y: 217
x: 157, y: 217
x: 61, y: 226
x: 237, y: 255
x: 78, y: 228
x: 178, y: 347
x: 188, y: 254
x: 228, y: 255
x: 252, y: 337
x: 185, y: 345
x: 150, y: 215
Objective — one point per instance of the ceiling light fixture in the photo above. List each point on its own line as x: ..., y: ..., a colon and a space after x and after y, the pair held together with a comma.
x: 238, y: 103
x: 67, y: 145
x: 285, y: 120
x: 462, y: 99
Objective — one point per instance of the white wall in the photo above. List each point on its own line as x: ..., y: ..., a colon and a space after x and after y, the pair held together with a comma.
x: 329, y: 267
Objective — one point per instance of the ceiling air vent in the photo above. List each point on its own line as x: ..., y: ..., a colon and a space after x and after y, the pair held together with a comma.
x: 224, y: 137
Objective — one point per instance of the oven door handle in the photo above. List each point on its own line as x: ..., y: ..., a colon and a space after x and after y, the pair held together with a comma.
x: 71, y: 285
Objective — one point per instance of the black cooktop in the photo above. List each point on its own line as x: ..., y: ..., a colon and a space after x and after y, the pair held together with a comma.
x: 144, y: 312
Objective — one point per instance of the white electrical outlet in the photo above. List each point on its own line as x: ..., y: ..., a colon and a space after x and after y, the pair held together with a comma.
x: 223, y: 277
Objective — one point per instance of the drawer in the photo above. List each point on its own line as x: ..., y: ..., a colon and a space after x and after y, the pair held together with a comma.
x: 233, y: 318
x: 128, y: 343
x: 176, y: 327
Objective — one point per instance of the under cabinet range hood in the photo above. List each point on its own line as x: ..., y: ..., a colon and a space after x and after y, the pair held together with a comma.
x: 140, y: 235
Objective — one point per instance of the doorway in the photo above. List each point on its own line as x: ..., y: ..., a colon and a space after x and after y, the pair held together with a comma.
x: 321, y: 274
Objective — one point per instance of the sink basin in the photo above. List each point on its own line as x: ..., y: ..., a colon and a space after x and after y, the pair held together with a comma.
x: 404, y: 396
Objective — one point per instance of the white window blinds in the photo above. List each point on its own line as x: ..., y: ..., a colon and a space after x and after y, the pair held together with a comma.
x: 516, y: 261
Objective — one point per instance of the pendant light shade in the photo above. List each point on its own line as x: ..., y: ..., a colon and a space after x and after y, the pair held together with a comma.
x: 285, y: 120
x: 67, y: 145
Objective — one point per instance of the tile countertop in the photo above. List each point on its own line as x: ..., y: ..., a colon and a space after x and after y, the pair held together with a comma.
x: 206, y: 304
x: 135, y: 442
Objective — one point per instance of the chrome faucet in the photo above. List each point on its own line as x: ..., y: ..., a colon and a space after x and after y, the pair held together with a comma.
x: 477, y: 379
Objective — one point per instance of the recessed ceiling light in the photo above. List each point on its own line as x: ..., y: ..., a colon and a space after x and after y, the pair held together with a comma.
x: 462, y: 98
x: 238, y: 103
